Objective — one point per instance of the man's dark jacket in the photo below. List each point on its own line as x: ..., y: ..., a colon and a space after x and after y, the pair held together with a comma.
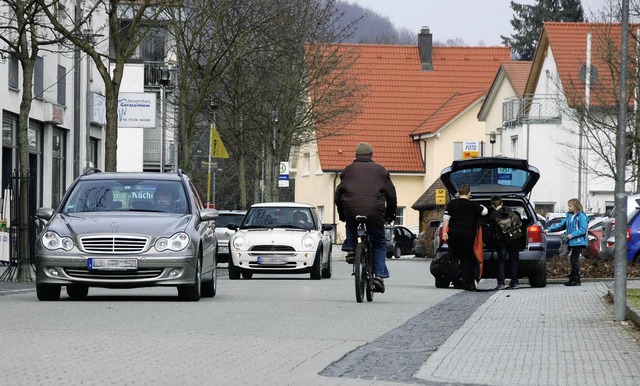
x: 366, y: 189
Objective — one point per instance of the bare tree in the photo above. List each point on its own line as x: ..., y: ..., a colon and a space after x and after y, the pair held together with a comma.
x: 24, y: 36
x: 126, y: 25
x: 292, y: 84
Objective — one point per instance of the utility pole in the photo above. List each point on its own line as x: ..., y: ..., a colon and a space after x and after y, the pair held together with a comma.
x: 620, y: 254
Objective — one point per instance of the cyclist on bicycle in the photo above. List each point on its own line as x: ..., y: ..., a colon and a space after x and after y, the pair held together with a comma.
x: 366, y: 189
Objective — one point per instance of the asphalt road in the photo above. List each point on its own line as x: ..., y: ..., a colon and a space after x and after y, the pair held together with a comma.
x: 272, y: 329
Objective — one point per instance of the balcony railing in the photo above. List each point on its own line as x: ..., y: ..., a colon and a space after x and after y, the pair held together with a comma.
x: 531, y: 109
x: 152, y: 73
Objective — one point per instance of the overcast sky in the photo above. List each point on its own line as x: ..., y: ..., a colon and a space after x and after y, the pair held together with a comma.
x: 476, y: 22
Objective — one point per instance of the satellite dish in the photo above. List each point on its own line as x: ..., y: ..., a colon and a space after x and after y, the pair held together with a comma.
x: 583, y: 73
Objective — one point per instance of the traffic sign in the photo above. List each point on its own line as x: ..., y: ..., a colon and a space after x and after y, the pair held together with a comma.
x: 283, y: 177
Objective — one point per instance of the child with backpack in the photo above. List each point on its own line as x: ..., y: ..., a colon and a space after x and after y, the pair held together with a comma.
x: 507, y: 226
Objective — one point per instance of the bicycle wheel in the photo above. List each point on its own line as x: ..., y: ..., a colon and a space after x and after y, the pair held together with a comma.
x: 369, y: 275
x: 359, y: 271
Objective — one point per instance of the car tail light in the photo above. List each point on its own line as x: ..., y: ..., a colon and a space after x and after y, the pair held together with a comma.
x: 613, y: 224
x: 534, y: 234
x: 610, y: 244
x: 628, y: 234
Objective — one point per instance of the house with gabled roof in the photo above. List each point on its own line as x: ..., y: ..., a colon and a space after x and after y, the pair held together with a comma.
x: 533, y: 110
x: 421, y: 105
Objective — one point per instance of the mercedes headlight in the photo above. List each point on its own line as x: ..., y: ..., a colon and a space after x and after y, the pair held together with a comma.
x: 52, y: 241
x: 175, y: 243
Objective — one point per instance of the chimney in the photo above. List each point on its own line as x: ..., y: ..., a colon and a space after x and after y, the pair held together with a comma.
x: 425, y: 47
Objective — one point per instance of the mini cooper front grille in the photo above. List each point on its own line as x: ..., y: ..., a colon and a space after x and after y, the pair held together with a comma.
x: 113, y: 244
x: 272, y: 248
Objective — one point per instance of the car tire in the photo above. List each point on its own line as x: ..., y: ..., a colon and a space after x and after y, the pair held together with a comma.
x: 326, y: 272
x: 316, y: 269
x: 48, y: 292
x: 192, y: 292
x: 210, y: 287
x: 234, y: 272
x: 539, y: 280
x: 247, y: 275
x: 77, y: 291
x: 442, y: 283
x: 397, y: 252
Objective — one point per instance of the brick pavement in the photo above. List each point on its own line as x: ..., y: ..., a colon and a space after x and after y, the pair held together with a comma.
x: 550, y: 336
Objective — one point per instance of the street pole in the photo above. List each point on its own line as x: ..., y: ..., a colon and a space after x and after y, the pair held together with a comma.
x: 620, y: 254
x: 214, y: 107
x: 209, y: 165
x: 162, y: 95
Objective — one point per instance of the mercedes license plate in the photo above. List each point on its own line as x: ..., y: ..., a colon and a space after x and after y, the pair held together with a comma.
x: 112, y: 264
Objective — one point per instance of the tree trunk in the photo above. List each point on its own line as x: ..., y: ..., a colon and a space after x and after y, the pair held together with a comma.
x: 24, y: 250
x: 112, y: 90
x: 242, y: 182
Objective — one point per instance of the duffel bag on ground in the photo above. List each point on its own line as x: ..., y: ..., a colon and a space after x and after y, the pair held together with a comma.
x: 445, y: 266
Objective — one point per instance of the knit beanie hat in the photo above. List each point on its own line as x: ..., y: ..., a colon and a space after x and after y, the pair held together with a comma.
x: 364, y: 148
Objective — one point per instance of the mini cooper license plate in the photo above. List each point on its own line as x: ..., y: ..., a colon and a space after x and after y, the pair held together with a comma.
x: 267, y: 260
x: 112, y: 264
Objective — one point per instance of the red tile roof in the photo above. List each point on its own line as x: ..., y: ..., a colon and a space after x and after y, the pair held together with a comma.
x: 518, y: 73
x: 448, y: 111
x: 401, y: 98
x: 568, y: 43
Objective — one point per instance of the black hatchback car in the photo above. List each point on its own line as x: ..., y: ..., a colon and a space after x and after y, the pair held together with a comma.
x: 400, y: 241
x: 512, y: 179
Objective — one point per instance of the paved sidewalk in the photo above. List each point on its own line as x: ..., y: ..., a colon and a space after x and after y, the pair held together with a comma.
x: 549, y: 336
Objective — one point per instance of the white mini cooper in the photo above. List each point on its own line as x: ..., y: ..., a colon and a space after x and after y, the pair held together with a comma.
x: 281, y: 237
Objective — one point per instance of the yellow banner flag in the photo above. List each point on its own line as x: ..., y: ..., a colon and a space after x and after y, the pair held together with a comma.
x: 217, y: 147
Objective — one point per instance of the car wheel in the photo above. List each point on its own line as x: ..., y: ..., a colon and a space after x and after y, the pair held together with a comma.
x: 326, y: 272
x: 442, y: 283
x: 234, y: 272
x: 48, y: 292
x: 192, y: 292
x: 210, y: 287
x: 316, y: 269
x: 247, y: 275
x: 539, y: 280
x: 77, y: 291
x: 397, y: 252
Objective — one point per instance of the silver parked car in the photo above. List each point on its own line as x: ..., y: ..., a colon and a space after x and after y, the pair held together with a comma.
x: 223, y: 233
x: 281, y: 237
x: 125, y: 230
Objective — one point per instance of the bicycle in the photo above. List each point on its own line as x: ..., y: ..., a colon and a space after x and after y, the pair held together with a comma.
x: 363, y: 263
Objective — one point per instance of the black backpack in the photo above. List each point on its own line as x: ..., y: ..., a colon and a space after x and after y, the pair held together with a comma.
x: 509, y: 225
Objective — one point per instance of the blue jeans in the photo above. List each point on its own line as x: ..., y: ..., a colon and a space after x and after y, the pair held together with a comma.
x: 379, y: 244
x: 508, y: 255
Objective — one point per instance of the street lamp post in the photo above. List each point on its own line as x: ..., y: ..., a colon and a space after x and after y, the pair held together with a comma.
x: 164, y: 81
x: 214, y: 107
x: 492, y: 140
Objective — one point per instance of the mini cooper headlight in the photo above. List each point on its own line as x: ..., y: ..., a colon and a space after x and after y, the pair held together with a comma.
x: 238, y: 242
x: 175, y: 243
x: 308, y: 243
x: 52, y: 241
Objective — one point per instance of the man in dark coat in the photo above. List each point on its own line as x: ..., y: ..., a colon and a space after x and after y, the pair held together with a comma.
x: 366, y: 189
